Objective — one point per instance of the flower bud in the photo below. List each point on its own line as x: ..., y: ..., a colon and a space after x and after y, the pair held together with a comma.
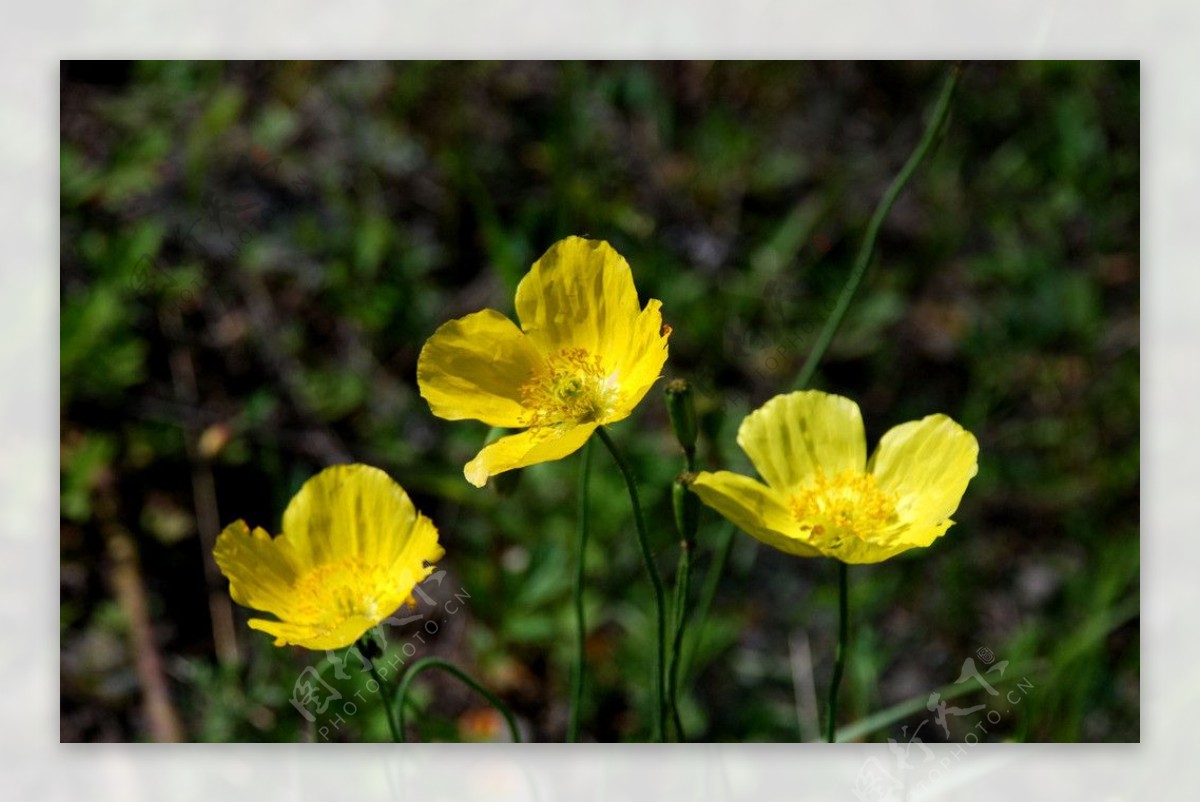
x: 682, y: 409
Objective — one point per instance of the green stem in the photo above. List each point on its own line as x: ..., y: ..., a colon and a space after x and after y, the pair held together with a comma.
x: 655, y: 581
x: 585, y: 471
x: 708, y: 594
x: 439, y: 663
x: 386, y: 695
x: 839, y: 661
x: 940, y: 110
x: 682, y: 581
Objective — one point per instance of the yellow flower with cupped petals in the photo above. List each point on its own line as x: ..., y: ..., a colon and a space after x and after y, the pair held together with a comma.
x: 352, y: 551
x: 585, y: 355
x: 822, y: 496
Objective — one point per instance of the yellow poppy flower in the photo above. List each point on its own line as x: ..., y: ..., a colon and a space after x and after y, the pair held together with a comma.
x: 585, y: 355
x: 822, y: 496
x: 353, y: 549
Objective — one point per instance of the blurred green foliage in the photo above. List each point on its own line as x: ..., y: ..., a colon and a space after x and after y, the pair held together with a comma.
x: 253, y: 255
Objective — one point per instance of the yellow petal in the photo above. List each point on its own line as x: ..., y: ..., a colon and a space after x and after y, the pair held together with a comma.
x: 315, y: 637
x: 889, y: 543
x: 793, y: 434
x: 580, y: 294
x: 537, y: 445
x: 755, y: 508
x: 639, y: 359
x: 357, y: 511
x: 260, y: 574
x: 928, y: 464
x: 474, y: 367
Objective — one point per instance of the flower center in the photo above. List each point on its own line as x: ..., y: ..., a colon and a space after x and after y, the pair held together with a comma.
x: 343, y: 589
x: 850, y: 504
x: 571, y: 389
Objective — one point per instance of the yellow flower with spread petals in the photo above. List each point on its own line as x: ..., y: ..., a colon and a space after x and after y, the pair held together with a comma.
x: 353, y: 549
x: 823, y: 497
x: 585, y: 355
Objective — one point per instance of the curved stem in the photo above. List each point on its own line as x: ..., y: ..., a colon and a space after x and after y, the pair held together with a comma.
x: 839, y: 661
x: 585, y: 471
x: 940, y: 110
x: 655, y: 580
x: 439, y: 663
x: 385, y: 694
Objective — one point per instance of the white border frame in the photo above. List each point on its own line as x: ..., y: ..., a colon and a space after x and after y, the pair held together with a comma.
x: 34, y: 37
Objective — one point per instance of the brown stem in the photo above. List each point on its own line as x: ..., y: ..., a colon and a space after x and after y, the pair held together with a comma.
x: 204, y: 495
x: 126, y: 577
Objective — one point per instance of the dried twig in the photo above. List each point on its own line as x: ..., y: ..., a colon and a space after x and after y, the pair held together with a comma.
x: 204, y: 493
x: 162, y: 719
